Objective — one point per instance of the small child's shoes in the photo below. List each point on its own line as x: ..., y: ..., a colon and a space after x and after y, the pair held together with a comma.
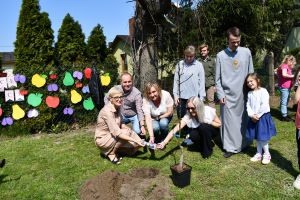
x: 266, y: 159
x: 256, y: 157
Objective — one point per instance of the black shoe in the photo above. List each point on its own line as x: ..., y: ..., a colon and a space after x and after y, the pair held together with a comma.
x: 228, y: 154
x: 286, y: 119
x: 2, y: 163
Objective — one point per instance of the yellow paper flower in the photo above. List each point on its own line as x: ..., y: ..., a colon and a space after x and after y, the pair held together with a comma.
x: 38, y: 81
x: 18, y: 112
x: 75, y: 97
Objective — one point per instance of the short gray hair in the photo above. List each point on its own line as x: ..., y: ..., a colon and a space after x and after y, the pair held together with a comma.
x: 115, y: 90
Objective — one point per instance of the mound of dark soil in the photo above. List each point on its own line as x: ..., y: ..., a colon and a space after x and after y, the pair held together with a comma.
x: 139, y: 184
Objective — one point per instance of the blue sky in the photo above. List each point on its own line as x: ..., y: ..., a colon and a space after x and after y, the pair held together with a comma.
x: 112, y: 15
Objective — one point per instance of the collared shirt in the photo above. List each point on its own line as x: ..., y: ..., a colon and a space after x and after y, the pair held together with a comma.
x: 189, y: 80
x: 166, y: 102
x: 258, y: 102
x: 209, y: 116
x: 132, y: 103
x: 108, y: 123
x: 209, y: 65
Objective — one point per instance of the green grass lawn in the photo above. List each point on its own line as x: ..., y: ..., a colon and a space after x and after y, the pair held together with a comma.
x: 55, y: 166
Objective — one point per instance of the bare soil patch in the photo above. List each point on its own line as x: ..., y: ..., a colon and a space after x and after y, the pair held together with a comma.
x: 139, y: 184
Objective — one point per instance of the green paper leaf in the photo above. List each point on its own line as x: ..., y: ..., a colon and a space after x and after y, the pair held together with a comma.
x: 88, y: 104
x: 68, y: 79
x: 34, y: 99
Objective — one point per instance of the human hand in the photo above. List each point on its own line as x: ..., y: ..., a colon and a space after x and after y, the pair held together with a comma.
x: 161, y: 145
x: 143, y: 130
x: 255, y: 118
x: 151, y: 140
x: 222, y: 101
x: 177, y: 101
x: 140, y: 142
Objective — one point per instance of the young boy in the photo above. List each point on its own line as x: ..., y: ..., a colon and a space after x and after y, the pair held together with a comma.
x: 296, y: 183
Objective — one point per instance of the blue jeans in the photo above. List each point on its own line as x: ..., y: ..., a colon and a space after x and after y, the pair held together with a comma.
x: 284, y: 100
x: 161, y: 126
x: 134, y: 121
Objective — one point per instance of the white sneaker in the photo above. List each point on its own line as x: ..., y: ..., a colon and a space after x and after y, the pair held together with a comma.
x: 296, y: 183
x: 256, y: 157
x: 266, y: 159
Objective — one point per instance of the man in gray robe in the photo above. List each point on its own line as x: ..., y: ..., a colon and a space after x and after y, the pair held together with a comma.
x: 232, y: 66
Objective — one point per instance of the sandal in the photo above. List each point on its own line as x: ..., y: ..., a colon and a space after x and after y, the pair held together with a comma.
x: 115, y: 160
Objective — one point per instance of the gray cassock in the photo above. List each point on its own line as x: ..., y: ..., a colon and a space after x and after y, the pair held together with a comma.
x: 231, y: 71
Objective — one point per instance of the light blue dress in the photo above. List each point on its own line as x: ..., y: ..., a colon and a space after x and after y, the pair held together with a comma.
x: 231, y: 71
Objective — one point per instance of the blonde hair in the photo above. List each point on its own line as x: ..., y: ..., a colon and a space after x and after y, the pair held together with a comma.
x: 148, y: 88
x: 289, y: 58
x: 199, y: 106
x: 115, y: 90
x: 190, y: 50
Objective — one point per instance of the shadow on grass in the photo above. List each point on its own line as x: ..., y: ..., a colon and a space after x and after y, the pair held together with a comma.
x: 277, y: 159
x: 171, y: 151
x: 282, y: 162
x: 276, y: 113
x: 3, y: 176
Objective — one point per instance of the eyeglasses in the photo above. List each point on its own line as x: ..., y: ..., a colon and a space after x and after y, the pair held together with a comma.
x: 190, y: 108
x: 118, y: 98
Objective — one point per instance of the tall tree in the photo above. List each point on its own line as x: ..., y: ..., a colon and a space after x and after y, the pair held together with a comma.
x: 148, y: 26
x: 264, y: 24
x: 70, y: 46
x: 33, y: 45
x: 96, y: 45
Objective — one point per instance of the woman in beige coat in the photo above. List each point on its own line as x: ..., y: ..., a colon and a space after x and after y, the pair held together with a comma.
x: 111, y: 136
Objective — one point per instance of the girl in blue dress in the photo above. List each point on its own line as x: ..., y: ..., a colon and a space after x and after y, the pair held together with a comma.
x: 260, y: 125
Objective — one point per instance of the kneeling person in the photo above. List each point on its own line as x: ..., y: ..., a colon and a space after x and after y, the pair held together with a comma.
x: 158, y: 110
x: 111, y: 136
x: 203, y: 121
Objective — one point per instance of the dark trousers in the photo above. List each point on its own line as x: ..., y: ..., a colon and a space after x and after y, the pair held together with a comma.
x: 202, y: 137
x: 181, y: 111
x: 181, y: 108
x: 298, y: 146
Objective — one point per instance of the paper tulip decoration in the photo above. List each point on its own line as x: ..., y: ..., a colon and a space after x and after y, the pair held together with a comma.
x: 78, y: 84
x: 75, y: 97
x: 23, y: 92
x: 34, y: 99
x: 52, y: 87
x: 38, y: 80
x: 105, y: 79
x: 33, y: 113
x: 88, y: 104
x: 52, y: 101
x: 78, y: 75
x: 53, y: 76
x: 85, y: 89
x: 17, y: 112
x: 68, y: 79
x: 20, y: 78
x: 7, y: 121
x: 68, y: 111
x: 88, y: 73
